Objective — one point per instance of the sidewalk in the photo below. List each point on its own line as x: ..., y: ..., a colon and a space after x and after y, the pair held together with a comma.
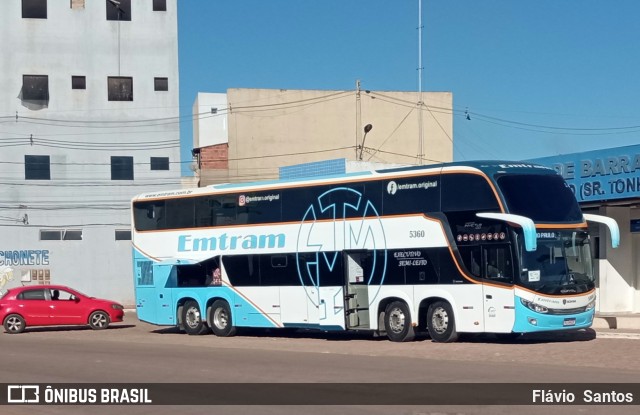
x: 612, y: 324
x: 617, y: 322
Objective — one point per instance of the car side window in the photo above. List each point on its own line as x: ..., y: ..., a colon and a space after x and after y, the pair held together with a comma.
x: 37, y: 294
x: 61, y: 295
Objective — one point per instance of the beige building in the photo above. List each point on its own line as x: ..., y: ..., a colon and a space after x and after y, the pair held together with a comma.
x: 269, y: 128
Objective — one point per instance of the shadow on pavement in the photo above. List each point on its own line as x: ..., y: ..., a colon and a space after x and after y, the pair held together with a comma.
x: 44, y: 329
x: 291, y: 333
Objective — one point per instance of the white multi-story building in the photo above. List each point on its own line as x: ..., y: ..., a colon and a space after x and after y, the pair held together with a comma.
x: 89, y: 117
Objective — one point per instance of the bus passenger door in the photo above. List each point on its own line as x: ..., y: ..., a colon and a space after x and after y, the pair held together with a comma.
x: 498, y: 272
x: 356, y: 298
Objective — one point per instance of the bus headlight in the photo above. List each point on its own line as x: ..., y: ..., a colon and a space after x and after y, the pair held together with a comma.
x: 590, y: 306
x: 534, y: 307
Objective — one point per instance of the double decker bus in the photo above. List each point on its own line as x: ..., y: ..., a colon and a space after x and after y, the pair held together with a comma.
x: 478, y: 247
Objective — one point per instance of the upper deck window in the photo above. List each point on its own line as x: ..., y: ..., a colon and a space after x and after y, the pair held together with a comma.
x: 543, y: 198
x: 467, y: 192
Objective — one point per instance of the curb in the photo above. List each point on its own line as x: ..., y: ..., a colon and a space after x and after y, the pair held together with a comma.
x: 617, y: 322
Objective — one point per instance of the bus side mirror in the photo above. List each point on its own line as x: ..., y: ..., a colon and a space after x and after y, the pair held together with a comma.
x: 527, y: 225
x: 611, y: 224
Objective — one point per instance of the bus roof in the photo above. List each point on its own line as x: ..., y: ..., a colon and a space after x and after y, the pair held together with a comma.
x: 489, y: 167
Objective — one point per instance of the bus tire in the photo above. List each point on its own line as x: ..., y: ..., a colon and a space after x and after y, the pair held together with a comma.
x: 441, y: 322
x: 192, y: 321
x: 220, y: 319
x: 14, y: 324
x: 397, y: 322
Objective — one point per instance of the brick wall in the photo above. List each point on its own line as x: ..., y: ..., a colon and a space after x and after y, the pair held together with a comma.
x: 214, y: 157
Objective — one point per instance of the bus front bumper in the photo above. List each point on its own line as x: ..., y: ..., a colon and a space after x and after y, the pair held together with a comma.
x: 528, y: 321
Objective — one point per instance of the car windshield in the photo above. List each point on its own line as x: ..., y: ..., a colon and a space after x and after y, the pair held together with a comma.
x: 561, y: 263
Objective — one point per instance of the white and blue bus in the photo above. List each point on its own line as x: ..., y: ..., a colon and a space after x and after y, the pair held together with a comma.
x: 478, y: 247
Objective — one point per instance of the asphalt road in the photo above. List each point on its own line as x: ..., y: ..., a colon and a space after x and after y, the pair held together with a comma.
x: 135, y: 352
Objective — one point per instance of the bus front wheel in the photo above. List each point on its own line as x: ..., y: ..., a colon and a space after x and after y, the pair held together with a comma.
x: 441, y: 322
x: 397, y: 322
x: 220, y: 319
x: 192, y: 321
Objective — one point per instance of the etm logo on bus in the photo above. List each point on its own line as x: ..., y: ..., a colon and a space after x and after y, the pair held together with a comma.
x: 341, y: 219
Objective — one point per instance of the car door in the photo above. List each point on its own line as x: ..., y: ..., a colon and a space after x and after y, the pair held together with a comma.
x: 68, y: 308
x: 33, y: 307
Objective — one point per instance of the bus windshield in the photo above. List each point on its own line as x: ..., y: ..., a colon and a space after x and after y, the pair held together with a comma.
x: 561, y: 263
x: 543, y: 198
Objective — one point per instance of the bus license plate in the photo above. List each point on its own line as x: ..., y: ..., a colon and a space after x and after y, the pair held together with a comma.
x: 569, y: 322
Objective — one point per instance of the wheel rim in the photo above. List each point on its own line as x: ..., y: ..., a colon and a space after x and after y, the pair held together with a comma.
x: 396, y: 320
x: 193, y: 317
x: 14, y: 324
x: 440, y: 320
x: 220, y: 318
x: 99, y: 320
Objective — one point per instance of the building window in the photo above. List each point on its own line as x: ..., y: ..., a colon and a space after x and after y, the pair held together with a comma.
x: 34, y: 9
x: 78, y: 82
x: 159, y: 163
x: 123, y: 235
x: 121, y: 168
x: 61, y: 234
x: 119, y: 10
x: 37, y: 168
x: 72, y: 235
x: 50, y: 235
x: 159, y: 5
x: 161, y: 84
x: 35, y: 88
x: 120, y: 88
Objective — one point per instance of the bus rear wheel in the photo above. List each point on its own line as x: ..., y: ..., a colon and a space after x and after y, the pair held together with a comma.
x: 192, y: 321
x: 220, y: 319
x: 441, y: 322
x: 397, y: 322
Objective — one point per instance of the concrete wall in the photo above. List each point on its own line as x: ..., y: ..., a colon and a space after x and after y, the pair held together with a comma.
x: 210, y: 120
x: 271, y: 128
x: 617, y: 268
x: 80, y: 130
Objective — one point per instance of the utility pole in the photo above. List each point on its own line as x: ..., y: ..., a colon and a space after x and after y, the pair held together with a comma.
x: 358, y: 118
x: 420, y: 103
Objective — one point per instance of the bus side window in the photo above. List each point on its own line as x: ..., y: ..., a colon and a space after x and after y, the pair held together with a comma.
x: 498, y: 263
x: 471, y: 258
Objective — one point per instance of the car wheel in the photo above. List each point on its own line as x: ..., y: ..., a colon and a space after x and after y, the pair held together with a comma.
x: 99, y: 320
x: 397, y: 322
x: 220, y: 319
x: 441, y: 322
x: 14, y: 324
x: 192, y: 321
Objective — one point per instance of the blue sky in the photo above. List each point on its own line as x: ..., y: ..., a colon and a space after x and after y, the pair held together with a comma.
x: 538, y: 78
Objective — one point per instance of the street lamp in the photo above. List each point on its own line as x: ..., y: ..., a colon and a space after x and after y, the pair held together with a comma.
x: 367, y: 128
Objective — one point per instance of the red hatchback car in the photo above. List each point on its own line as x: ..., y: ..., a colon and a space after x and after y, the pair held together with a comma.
x: 51, y: 305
